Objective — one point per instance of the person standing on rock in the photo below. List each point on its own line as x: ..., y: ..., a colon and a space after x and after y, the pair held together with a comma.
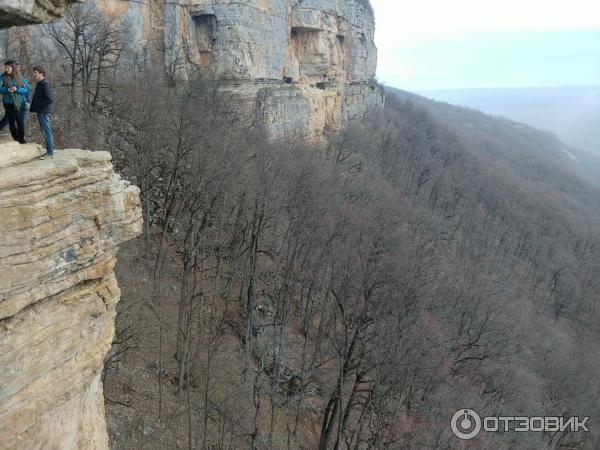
x: 42, y: 105
x: 14, y: 90
x: 26, y: 98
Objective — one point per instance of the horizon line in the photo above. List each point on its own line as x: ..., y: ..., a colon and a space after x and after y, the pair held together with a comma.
x: 502, y: 87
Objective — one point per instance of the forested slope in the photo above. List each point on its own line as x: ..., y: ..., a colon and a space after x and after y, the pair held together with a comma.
x: 431, y: 258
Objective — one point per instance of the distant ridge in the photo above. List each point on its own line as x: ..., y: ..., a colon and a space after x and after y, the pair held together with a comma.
x: 570, y: 112
x: 541, y: 145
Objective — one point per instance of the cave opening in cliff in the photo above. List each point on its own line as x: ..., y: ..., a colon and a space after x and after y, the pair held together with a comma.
x: 306, y: 40
x: 205, y: 27
x: 306, y: 48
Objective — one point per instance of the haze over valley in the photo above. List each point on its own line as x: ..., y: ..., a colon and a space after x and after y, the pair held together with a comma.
x: 572, y: 113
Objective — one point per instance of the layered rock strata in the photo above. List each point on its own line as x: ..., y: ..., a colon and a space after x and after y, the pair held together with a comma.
x: 61, y: 221
x: 305, y: 67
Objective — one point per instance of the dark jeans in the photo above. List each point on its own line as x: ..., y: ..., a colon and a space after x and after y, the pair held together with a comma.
x: 16, y: 121
x: 4, y: 120
x: 45, y: 121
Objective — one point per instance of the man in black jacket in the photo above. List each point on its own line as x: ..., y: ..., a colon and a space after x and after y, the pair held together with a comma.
x: 42, y: 105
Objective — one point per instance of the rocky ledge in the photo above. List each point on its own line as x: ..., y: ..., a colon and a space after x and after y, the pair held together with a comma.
x: 24, y: 12
x: 61, y: 221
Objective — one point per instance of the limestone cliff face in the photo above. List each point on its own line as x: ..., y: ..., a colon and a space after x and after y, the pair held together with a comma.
x: 61, y: 221
x: 21, y: 12
x: 305, y: 67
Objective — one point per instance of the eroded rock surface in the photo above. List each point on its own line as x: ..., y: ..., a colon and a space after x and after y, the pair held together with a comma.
x: 24, y: 12
x: 306, y: 67
x: 61, y: 221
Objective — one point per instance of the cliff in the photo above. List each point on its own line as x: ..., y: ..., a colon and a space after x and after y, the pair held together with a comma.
x: 302, y: 68
x: 61, y: 221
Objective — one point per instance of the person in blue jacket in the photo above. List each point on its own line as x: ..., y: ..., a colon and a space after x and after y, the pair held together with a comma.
x: 14, y: 90
x: 26, y: 98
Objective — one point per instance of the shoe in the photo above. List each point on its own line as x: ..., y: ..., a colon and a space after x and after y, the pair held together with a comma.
x: 47, y: 156
x: 23, y: 142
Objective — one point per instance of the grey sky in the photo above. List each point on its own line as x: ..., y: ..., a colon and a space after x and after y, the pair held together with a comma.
x: 437, y: 44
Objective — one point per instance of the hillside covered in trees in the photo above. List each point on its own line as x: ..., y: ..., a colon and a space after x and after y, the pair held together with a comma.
x: 431, y: 258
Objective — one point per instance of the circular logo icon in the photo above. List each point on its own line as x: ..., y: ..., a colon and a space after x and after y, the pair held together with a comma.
x: 466, y: 424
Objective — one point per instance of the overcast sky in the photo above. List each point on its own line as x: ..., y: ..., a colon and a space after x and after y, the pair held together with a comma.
x: 442, y: 44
